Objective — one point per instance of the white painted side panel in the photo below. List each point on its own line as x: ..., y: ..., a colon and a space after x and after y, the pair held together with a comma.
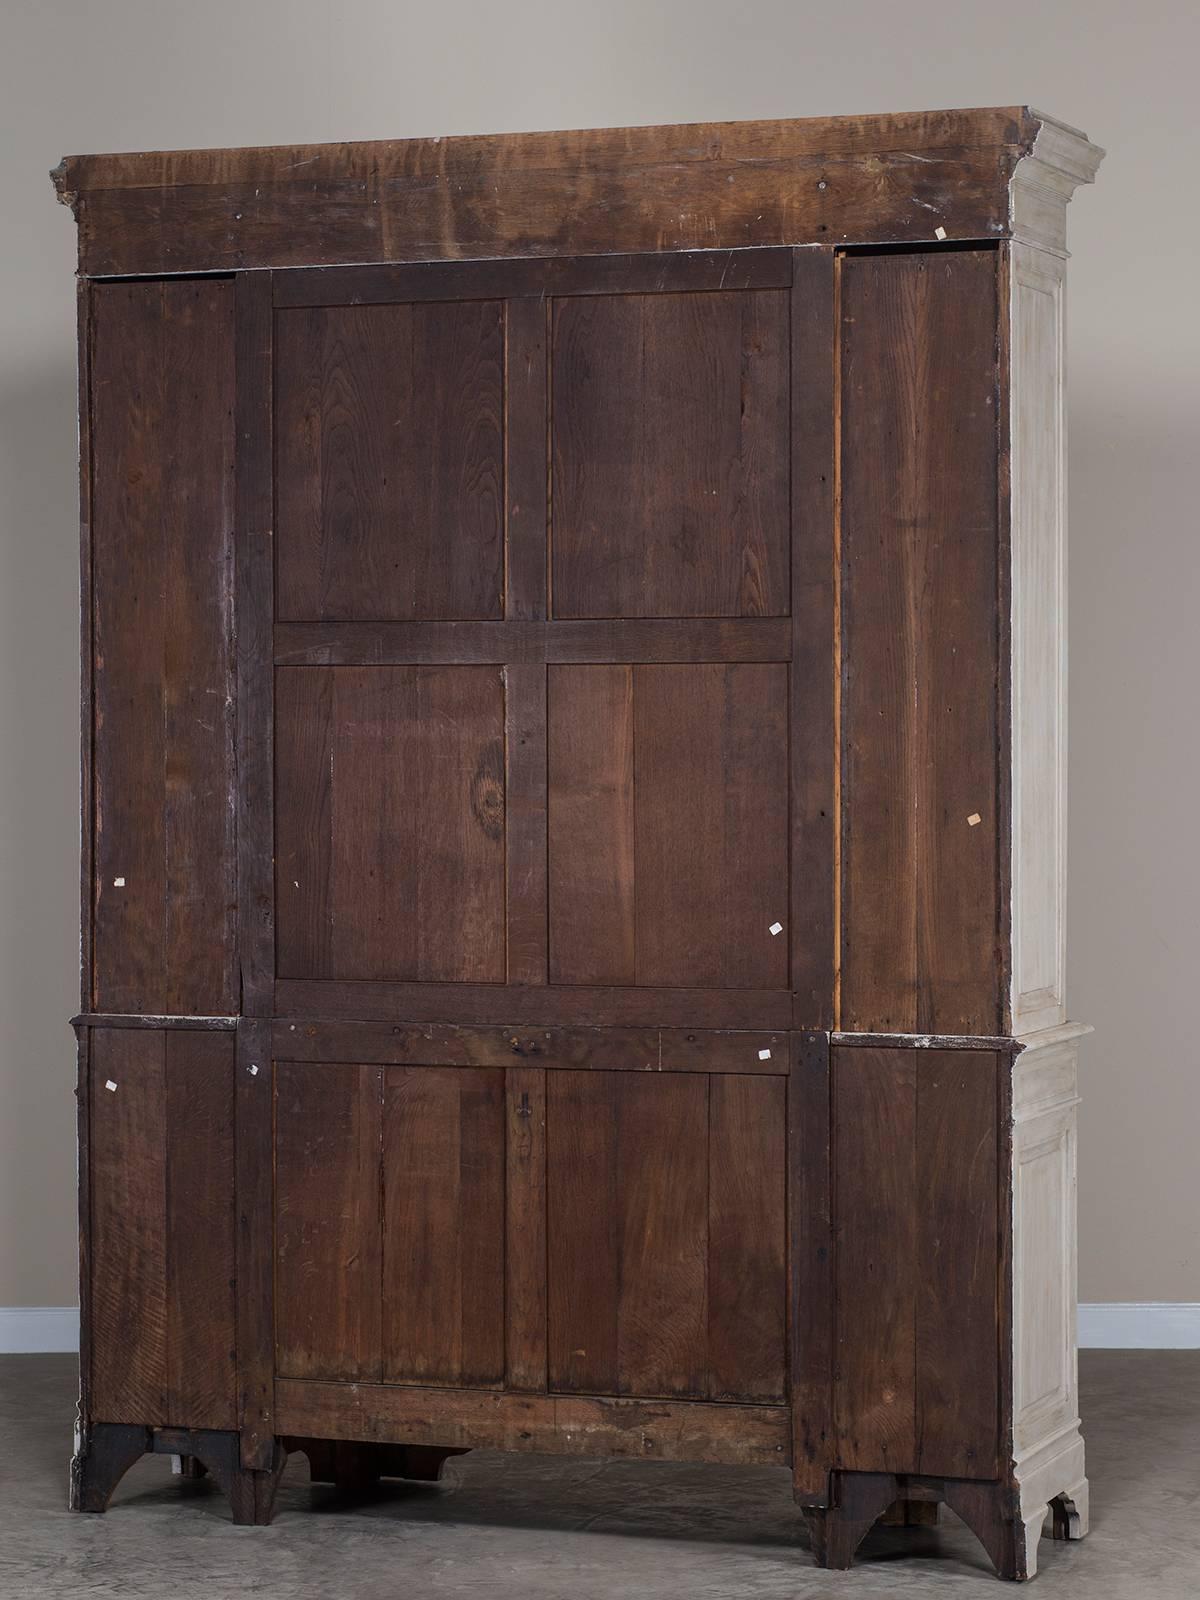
x: 1039, y: 641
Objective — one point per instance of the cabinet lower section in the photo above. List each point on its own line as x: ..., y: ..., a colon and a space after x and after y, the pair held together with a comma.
x: 383, y: 1244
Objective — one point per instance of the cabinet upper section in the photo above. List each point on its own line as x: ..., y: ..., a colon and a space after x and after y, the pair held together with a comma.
x: 1003, y: 172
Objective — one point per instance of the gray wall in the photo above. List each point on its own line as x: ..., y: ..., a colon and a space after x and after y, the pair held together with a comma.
x: 155, y: 74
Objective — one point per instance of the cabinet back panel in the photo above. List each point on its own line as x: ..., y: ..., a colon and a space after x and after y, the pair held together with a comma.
x: 389, y: 786
x: 389, y: 1223
x: 668, y: 818
x: 670, y: 455
x: 918, y: 1228
x: 164, y: 889
x: 389, y: 476
x: 161, y: 1261
x: 649, y: 1178
x: 920, y: 644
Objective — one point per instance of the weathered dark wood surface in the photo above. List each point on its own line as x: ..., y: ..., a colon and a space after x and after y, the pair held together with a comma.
x: 161, y: 620
x: 920, y: 862
x: 822, y: 180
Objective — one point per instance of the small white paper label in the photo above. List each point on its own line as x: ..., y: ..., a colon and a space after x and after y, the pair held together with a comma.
x: 776, y: 927
x: 253, y: 1070
x: 974, y: 820
x: 764, y: 1055
x: 110, y: 1085
x: 118, y: 883
x: 939, y: 233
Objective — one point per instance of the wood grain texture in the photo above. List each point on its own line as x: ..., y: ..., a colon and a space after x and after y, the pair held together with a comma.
x: 591, y: 825
x: 525, y: 1303
x: 522, y: 1005
x: 700, y: 186
x: 919, y: 1259
x: 328, y: 1232
x: 747, y: 1178
x: 538, y: 279
x: 389, y: 461
x: 609, y: 639
x: 920, y: 860
x: 813, y: 681
x: 649, y: 1181
x: 593, y: 1049
x: 554, y: 1424
x: 526, y: 506
x: 201, y: 1377
x: 812, y: 1298
x: 443, y: 1224
x: 668, y: 825
x: 670, y: 455
x: 161, y: 425
x: 254, y: 1159
x: 254, y: 592
x: 159, y: 1255
x: 128, y: 1251
x: 525, y: 823
x: 390, y: 821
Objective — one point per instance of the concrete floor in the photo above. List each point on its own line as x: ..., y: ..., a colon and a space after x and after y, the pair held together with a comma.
x: 539, y: 1527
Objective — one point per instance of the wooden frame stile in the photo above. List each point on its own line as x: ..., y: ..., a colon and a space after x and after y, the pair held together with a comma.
x: 255, y: 1076
x: 83, y: 292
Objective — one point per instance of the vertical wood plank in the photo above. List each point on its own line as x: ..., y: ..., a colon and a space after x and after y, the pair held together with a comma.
x: 527, y: 909
x: 525, y: 447
x: 811, y: 1281
x: 129, y: 1227
x: 583, y: 1227
x: 459, y: 738
x: 129, y: 624
x: 670, y: 455
x: 328, y: 1243
x: 87, y: 868
x: 710, y: 802
x: 525, y: 1308
x: 375, y: 816
x: 304, y: 713
x: 201, y: 1378
x: 747, y: 1296
x: 390, y: 461
x: 591, y: 824
x: 443, y: 1222
x: 255, y: 615
x: 958, y: 1351
x: 663, y: 1186
x: 878, y: 1266
x: 919, y: 454
x: 815, y: 667
x: 254, y: 1157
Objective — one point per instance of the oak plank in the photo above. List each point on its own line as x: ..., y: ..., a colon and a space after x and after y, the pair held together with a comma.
x: 526, y: 1311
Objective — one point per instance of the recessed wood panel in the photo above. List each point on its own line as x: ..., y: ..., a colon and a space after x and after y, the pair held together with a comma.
x: 161, y: 1258
x: 389, y: 792
x: 668, y: 800
x: 443, y: 1220
x: 648, y: 1179
x: 162, y: 518
x: 328, y: 1235
x: 918, y: 1260
x: 670, y: 455
x: 389, y: 461
x: 920, y: 645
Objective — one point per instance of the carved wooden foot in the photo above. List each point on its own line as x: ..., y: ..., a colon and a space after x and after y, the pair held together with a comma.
x: 251, y: 1494
x: 1070, y: 1512
x: 989, y: 1510
x: 108, y: 1451
x: 837, y: 1530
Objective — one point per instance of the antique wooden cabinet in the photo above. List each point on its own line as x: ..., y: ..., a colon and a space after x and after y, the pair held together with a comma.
x: 573, y: 805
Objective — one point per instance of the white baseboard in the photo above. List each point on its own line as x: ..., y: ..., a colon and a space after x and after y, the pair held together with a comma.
x: 35, y: 1330
x: 1115, y: 1325
x: 1139, y: 1325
